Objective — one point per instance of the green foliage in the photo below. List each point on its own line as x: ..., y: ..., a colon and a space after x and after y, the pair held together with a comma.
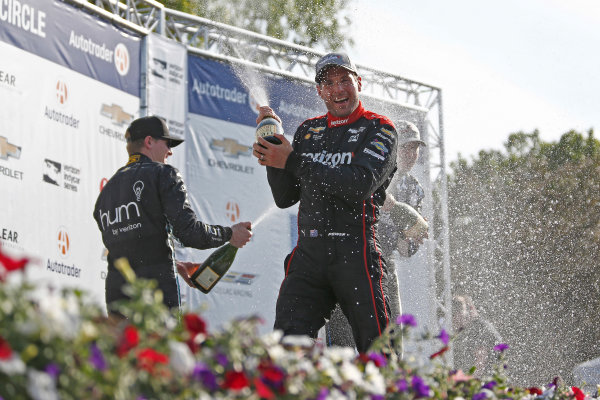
x: 525, y: 244
x: 312, y: 23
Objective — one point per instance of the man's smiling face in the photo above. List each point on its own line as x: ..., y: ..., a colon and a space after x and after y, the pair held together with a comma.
x: 339, y: 90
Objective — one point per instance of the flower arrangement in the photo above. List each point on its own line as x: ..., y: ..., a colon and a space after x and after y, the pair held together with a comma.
x: 58, y: 345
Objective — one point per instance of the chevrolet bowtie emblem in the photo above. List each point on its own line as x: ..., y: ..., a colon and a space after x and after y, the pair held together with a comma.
x: 230, y: 147
x: 8, y: 149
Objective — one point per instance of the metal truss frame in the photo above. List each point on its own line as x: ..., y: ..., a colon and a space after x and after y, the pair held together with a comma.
x: 219, y: 41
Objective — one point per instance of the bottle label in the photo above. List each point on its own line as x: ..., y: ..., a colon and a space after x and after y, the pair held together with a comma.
x: 266, y: 130
x: 207, y: 278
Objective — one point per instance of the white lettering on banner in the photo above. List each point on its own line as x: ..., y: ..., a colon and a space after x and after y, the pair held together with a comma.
x: 297, y: 110
x: 23, y: 16
x: 332, y: 159
x: 214, y: 90
x: 87, y: 45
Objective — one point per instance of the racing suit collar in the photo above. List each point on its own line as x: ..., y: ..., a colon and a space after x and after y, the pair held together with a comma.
x: 333, y: 122
x: 137, y: 157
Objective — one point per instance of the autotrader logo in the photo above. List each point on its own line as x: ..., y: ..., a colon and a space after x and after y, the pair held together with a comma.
x: 122, y: 59
x: 61, y: 92
x: 232, y: 211
x: 64, y: 244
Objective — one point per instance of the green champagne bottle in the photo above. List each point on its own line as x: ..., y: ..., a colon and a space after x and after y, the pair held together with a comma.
x: 207, y: 274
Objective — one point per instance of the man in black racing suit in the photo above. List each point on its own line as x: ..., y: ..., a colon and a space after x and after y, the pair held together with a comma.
x: 338, y: 169
x: 142, y: 206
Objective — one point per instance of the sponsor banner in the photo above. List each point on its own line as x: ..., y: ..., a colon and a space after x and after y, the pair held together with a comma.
x: 226, y: 185
x: 70, y: 37
x: 167, y: 82
x: 233, y: 94
x: 61, y: 139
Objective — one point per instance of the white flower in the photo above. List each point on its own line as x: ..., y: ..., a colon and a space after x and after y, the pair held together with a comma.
x: 41, y: 386
x: 59, y: 315
x: 338, y: 354
x: 298, y: 341
x: 374, y: 380
x: 182, y: 359
x: 351, y: 373
x: 13, y: 366
x: 329, y: 369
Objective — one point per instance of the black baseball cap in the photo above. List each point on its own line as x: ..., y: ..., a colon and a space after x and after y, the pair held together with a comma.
x: 333, y: 59
x: 152, y: 126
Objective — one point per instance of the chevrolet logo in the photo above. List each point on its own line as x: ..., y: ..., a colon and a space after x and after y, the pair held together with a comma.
x: 230, y: 147
x: 8, y: 149
x: 116, y: 113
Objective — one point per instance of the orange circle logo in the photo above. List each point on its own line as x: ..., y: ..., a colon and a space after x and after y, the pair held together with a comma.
x: 61, y: 92
x: 63, y: 242
x: 232, y: 211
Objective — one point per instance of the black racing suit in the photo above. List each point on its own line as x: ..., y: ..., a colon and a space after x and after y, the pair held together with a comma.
x: 137, y: 211
x: 338, y: 171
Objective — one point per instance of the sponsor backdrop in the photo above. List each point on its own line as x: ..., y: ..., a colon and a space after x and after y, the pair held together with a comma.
x: 69, y: 87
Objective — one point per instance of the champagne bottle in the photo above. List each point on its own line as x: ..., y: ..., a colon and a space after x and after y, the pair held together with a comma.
x: 267, y: 128
x: 207, y: 274
x: 408, y: 220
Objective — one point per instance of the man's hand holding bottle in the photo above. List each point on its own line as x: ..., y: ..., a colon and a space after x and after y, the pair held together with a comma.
x: 240, y: 234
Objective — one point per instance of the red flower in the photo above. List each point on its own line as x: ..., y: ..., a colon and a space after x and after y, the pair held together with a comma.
x: 263, y: 390
x: 579, y: 395
x: 439, y: 353
x: 148, y: 358
x: 11, y: 264
x: 235, y: 380
x: 271, y: 374
x: 534, y: 390
x: 128, y: 341
x: 195, y: 326
x: 5, y: 350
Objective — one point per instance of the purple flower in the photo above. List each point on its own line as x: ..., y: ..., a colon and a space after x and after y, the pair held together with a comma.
x: 489, y: 385
x: 203, y: 374
x: 479, y: 396
x: 444, y: 337
x: 323, y: 393
x: 222, y: 359
x: 501, y: 347
x: 378, y: 359
x: 97, y: 358
x: 419, y: 387
x: 402, y: 385
x: 53, y: 370
x: 377, y: 397
x: 406, y: 319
